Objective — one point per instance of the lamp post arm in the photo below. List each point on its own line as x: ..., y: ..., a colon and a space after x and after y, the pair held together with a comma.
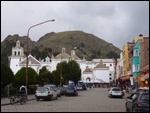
x: 40, y: 24
x: 28, y: 49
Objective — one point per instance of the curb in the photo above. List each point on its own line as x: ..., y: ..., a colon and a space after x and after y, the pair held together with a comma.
x: 10, y: 103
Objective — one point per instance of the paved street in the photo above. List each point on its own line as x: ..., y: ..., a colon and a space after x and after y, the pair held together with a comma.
x: 92, y: 100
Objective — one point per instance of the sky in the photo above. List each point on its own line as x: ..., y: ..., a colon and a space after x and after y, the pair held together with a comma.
x: 116, y: 22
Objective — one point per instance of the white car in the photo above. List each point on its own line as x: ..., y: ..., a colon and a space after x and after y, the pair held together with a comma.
x: 79, y: 87
x: 46, y: 93
x: 115, y: 92
x: 55, y: 87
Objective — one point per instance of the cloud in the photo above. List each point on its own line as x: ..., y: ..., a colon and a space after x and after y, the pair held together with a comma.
x: 113, y: 21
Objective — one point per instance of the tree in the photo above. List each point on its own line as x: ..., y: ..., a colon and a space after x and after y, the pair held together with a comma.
x: 45, y: 76
x: 64, y: 67
x: 56, y: 76
x: 112, y: 54
x: 74, y: 71
x: 70, y: 71
x: 20, y: 77
x: 7, y: 75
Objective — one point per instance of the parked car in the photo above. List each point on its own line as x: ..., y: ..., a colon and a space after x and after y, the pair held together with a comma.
x: 62, y: 90
x: 138, y: 102
x: 115, y: 92
x: 79, y: 87
x: 84, y: 87
x: 141, y: 89
x: 45, y: 93
x: 71, y: 91
x: 55, y: 87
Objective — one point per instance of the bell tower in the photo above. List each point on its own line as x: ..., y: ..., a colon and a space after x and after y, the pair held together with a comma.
x: 16, y: 57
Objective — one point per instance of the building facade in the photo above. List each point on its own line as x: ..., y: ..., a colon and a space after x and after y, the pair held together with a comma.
x: 102, y: 70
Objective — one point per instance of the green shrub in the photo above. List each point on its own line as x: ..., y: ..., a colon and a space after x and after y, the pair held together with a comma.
x: 32, y: 89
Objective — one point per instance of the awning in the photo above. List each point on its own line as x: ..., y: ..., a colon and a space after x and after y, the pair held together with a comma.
x: 144, y: 77
x: 124, y: 78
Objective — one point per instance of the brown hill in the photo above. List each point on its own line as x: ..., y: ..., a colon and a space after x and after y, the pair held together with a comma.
x: 88, y: 45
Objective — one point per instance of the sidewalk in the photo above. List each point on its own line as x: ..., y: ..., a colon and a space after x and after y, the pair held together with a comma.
x: 6, y: 100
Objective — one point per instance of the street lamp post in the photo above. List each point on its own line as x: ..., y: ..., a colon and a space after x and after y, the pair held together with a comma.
x: 27, y: 53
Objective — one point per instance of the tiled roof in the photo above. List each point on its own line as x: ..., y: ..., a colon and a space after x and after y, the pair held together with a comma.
x: 63, y: 56
x: 88, y: 70
x: 74, y: 57
x: 101, y: 65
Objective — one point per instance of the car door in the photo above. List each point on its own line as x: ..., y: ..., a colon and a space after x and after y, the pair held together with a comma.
x: 131, y: 101
x: 54, y: 91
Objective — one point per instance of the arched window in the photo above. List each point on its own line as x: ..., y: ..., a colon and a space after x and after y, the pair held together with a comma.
x: 88, y: 79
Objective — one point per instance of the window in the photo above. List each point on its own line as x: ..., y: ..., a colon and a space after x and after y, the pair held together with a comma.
x: 136, y: 53
x: 109, y: 78
x: 15, y: 53
x: 110, y: 74
x: 137, y: 67
x: 18, y: 53
x: 145, y: 97
x: 134, y: 96
x: 110, y: 64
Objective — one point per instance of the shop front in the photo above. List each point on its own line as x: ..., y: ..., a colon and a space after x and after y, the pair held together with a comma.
x: 124, y: 81
x: 144, y: 80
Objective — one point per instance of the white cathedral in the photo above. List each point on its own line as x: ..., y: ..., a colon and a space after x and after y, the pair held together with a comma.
x: 95, y: 71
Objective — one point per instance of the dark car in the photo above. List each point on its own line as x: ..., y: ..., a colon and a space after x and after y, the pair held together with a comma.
x: 138, y: 102
x: 71, y: 91
x: 141, y: 89
x: 84, y: 87
x: 62, y: 90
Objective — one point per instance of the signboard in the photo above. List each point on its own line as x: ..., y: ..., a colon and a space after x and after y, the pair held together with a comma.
x: 131, y: 80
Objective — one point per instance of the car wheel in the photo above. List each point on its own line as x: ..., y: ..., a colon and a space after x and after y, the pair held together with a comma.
x: 76, y: 94
x: 110, y: 95
x: 56, y: 98
x: 127, y: 109
x: 51, y: 98
x: 133, y: 110
x: 37, y: 99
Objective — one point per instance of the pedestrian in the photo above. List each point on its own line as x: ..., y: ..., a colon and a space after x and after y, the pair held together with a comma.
x: 127, y: 89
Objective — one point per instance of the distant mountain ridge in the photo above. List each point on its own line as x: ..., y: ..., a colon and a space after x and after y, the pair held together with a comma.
x: 88, y: 45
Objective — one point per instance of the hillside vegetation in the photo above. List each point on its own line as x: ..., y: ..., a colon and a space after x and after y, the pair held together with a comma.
x: 88, y: 45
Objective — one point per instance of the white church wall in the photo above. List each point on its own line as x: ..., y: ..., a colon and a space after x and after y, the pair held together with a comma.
x: 111, y: 66
x: 87, y: 75
x: 102, y: 74
x: 14, y: 65
x: 82, y: 67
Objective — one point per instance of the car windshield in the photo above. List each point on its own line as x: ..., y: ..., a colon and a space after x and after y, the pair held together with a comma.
x: 69, y: 88
x: 116, y: 89
x: 61, y: 88
x: 42, y: 89
x: 145, y: 97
